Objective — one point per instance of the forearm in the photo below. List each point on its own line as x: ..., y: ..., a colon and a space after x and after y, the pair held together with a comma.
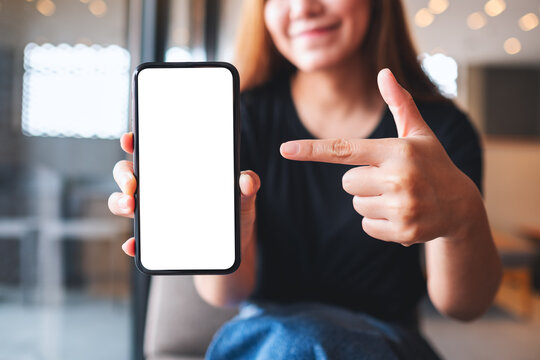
x: 229, y: 290
x: 464, y: 270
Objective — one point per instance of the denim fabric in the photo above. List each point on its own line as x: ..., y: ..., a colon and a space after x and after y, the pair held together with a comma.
x: 266, y: 331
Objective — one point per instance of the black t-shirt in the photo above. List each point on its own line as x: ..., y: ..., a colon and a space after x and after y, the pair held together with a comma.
x: 311, y: 245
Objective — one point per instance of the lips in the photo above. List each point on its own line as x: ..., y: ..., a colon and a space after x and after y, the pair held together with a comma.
x: 313, y: 30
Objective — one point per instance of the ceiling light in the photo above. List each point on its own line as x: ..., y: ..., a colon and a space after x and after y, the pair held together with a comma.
x: 494, y: 7
x: 476, y: 20
x: 528, y: 22
x: 46, y: 7
x: 98, y: 8
x: 512, y: 46
x: 423, y: 18
x: 438, y: 6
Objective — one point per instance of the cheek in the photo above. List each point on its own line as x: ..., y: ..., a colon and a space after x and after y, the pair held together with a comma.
x: 275, y: 22
x: 355, y: 8
x: 356, y: 15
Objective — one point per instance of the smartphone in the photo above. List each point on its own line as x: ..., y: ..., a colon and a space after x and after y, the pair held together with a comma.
x: 186, y: 160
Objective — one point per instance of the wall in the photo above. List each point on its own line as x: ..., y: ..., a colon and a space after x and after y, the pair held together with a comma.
x: 512, y: 182
x: 512, y: 164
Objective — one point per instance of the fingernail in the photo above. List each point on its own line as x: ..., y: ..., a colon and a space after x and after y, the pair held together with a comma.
x: 290, y: 148
x: 123, y: 202
x: 247, y: 187
x: 243, y: 178
x: 124, y: 246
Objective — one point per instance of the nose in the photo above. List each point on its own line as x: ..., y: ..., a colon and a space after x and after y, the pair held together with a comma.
x: 305, y: 8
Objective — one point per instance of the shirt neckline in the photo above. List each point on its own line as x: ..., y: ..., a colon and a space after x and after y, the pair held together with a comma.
x: 308, y: 134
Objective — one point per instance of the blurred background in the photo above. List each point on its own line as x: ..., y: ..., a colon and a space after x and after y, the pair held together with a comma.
x: 66, y: 289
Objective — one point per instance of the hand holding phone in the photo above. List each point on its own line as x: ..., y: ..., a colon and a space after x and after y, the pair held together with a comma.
x: 123, y: 203
x: 186, y: 163
x: 209, y: 287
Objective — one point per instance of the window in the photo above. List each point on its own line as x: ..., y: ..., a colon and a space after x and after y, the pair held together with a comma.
x: 75, y: 91
x: 443, y: 71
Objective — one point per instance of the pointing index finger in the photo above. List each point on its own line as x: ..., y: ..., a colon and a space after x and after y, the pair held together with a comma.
x: 337, y: 151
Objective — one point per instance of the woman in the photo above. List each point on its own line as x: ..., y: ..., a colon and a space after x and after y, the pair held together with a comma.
x: 321, y: 113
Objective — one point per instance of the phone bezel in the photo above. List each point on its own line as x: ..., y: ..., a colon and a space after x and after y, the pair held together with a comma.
x: 236, y: 141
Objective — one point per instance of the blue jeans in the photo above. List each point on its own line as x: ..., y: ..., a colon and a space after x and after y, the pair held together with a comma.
x: 266, y: 331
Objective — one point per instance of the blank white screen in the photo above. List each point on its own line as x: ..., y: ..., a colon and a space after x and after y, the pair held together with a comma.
x: 186, y: 168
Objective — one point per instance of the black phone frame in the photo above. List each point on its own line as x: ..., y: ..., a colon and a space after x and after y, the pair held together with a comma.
x: 236, y: 141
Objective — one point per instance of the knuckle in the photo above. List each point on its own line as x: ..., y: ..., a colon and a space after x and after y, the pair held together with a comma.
x: 394, y: 207
x: 311, y: 149
x: 402, y: 182
x: 410, y: 211
x: 341, y: 148
x: 408, y: 98
x: 395, y: 183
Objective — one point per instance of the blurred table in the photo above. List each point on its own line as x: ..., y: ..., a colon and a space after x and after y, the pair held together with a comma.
x: 31, y: 211
x: 518, y: 256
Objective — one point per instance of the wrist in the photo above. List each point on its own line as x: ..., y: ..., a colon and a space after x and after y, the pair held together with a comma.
x: 469, y: 214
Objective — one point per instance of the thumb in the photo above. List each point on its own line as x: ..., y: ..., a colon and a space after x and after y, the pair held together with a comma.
x: 408, y: 120
x: 249, y: 186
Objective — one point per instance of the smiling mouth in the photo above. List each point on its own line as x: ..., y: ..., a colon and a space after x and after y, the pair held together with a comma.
x: 317, y: 31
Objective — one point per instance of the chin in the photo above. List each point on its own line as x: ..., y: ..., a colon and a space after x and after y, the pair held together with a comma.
x: 318, y: 61
x: 317, y: 64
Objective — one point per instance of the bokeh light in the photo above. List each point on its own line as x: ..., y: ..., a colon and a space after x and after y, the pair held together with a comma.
x: 423, y: 18
x: 98, y: 8
x: 494, y: 7
x: 438, y: 6
x: 476, y: 20
x: 528, y: 22
x: 46, y: 7
x: 512, y: 46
